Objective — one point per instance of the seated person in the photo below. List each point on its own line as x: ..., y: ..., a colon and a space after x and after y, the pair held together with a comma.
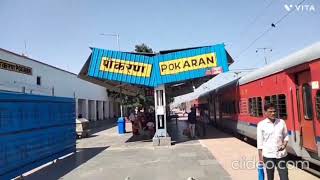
x: 150, y: 128
x: 136, y: 126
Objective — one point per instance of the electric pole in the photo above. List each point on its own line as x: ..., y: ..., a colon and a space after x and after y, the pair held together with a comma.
x: 120, y: 86
x: 264, y: 53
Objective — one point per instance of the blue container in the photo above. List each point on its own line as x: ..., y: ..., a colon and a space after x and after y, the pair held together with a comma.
x: 121, y: 125
x: 260, y: 172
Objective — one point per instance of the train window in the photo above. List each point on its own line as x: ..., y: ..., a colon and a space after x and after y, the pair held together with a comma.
x: 280, y: 102
x: 307, y: 101
x: 267, y: 100
x: 274, y: 99
x: 281, y: 106
x: 255, y: 106
x: 250, y: 106
x: 318, y: 104
x: 259, y: 106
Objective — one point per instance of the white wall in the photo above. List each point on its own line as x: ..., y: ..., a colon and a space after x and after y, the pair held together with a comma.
x: 64, y: 84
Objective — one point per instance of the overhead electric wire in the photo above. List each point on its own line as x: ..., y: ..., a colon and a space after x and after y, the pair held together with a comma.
x: 256, y: 18
x: 262, y: 12
x: 273, y: 25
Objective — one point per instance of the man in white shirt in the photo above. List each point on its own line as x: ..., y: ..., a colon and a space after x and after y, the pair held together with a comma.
x: 272, y: 140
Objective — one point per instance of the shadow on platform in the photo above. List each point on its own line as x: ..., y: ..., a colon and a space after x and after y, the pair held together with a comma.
x: 101, y: 125
x: 175, y: 130
x: 66, y: 165
x: 141, y: 138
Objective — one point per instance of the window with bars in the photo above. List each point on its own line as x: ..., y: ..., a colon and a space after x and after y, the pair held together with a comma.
x: 282, y: 106
x: 255, y: 106
x: 259, y: 106
x: 318, y: 104
x: 280, y: 102
x: 267, y: 100
x: 307, y: 101
x: 250, y: 106
x: 274, y: 99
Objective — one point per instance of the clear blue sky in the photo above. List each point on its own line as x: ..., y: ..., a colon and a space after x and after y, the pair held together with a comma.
x: 60, y: 32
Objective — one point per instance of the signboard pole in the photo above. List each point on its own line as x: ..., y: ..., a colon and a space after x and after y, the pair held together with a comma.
x: 161, y: 137
x: 121, y: 102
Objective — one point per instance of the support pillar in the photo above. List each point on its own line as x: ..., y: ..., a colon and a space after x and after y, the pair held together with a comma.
x: 111, y: 110
x: 94, y: 110
x: 161, y: 137
x: 86, y: 109
x: 77, y: 107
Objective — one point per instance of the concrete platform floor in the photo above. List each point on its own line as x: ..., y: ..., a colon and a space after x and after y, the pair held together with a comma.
x: 109, y: 156
x: 235, y: 157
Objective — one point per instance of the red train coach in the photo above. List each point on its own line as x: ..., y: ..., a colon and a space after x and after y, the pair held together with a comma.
x: 292, y: 84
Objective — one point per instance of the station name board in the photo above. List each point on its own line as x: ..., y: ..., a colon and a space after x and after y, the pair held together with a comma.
x: 188, y: 64
x: 125, y: 67
x: 9, y: 66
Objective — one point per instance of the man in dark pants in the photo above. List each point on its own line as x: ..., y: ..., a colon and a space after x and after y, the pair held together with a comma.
x: 204, y: 120
x: 192, y: 119
x: 272, y: 140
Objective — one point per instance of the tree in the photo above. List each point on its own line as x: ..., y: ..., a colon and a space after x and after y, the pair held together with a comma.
x: 140, y: 100
x: 143, y: 48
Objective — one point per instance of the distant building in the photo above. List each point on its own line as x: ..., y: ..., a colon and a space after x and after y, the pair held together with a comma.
x: 21, y: 74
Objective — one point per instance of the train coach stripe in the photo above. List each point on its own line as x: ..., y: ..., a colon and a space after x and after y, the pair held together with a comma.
x: 254, y: 125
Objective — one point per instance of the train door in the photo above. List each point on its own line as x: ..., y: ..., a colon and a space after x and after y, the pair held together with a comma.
x: 214, y: 109
x: 306, y: 111
x: 217, y: 110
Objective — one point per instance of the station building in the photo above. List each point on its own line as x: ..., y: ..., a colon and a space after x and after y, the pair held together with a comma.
x: 22, y: 74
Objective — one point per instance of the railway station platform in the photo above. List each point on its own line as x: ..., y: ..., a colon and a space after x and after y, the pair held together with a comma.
x: 107, y: 155
x: 235, y: 156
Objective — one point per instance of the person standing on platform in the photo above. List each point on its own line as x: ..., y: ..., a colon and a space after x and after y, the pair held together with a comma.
x: 204, y: 120
x: 272, y: 140
x: 132, y: 116
x: 192, y: 119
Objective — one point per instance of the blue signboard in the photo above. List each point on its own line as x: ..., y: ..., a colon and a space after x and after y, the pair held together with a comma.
x: 159, y: 69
